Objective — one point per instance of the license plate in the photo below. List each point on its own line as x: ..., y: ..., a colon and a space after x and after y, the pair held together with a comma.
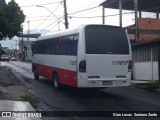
x: 107, y: 82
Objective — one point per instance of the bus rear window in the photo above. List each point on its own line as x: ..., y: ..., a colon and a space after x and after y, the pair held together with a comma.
x: 106, y: 40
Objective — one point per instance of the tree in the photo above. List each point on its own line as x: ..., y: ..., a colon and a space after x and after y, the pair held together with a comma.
x: 1, y: 52
x: 11, y: 18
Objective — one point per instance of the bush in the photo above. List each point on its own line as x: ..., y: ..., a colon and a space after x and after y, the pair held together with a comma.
x: 153, y: 86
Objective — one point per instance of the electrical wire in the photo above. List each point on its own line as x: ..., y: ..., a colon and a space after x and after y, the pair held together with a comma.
x: 40, y: 16
x: 42, y: 22
x: 41, y: 4
x: 97, y: 9
x: 70, y: 15
x: 47, y: 17
x: 50, y: 24
x: 86, y: 6
x: 51, y: 29
x: 84, y: 10
x: 100, y: 16
x: 40, y: 19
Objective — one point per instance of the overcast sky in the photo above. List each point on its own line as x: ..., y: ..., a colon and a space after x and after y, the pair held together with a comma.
x: 37, y: 15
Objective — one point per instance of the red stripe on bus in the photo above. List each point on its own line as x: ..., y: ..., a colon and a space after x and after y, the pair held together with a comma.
x: 66, y: 77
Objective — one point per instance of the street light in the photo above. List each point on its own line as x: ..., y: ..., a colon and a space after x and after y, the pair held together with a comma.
x: 49, y: 11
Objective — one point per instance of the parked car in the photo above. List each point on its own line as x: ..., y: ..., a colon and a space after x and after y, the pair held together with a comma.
x: 5, y: 58
x: 13, y: 59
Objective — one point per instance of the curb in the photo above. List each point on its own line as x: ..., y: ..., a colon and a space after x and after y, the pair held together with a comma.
x: 142, y: 86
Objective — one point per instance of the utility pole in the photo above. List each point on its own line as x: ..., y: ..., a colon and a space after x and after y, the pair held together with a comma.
x: 103, y: 15
x: 22, y: 45
x: 28, y: 29
x: 22, y: 40
x: 65, y: 15
x: 120, y: 13
x: 136, y: 19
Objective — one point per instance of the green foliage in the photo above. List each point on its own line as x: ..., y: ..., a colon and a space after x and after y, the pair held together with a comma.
x: 29, y: 98
x: 1, y: 51
x: 11, y: 19
x: 153, y: 86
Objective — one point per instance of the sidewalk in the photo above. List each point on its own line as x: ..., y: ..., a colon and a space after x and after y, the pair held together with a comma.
x: 11, y: 92
x: 142, y: 84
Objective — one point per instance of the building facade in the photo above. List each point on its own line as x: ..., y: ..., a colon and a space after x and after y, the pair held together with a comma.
x: 146, y: 61
x: 25, y: 53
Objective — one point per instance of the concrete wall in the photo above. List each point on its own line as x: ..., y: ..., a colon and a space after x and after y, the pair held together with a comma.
x: 145, y: 71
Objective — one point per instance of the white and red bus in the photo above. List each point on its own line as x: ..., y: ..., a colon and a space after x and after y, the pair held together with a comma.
x: 89, y: 56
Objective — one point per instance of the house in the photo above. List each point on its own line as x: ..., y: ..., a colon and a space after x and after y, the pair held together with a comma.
x: 25, y: 53
x: 144, y: 35
x: 146, y: 50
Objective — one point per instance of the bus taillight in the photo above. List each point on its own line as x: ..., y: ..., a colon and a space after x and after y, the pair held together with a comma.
x: 82, y: 66
x: 129, y: 66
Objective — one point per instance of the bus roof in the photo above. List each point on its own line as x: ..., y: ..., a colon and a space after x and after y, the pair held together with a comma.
x: 62, y: 32
x: 71, y: 31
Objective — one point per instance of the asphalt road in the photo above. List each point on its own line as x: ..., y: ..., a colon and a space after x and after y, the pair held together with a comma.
x: 70, y: 99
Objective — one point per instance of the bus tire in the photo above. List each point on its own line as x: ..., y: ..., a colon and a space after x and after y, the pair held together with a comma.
x: 56, y: 81
x: 36, y: 76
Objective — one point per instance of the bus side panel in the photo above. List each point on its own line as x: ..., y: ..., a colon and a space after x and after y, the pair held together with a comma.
x: 45, y: 71
x: 66, y: 77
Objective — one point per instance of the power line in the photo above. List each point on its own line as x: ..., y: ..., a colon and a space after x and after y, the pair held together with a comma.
x: 41, y: 4
x: 42, y: 22
x: 84, y: 10
x: 52, y: 28
x: 100, y: 16
x: 50, y: 24
x: 40, y: 19
x: 40, y: 16
x: 90, y: 11
x: 48, y: 17
x: 86, y: 6
x: 82, y: 17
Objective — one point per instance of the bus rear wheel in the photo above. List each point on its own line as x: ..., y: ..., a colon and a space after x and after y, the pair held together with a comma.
x: 36, y: 76
x: 56, y: 81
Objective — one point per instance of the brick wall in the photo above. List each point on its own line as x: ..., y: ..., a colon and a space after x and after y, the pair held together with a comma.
x: 149, y: 23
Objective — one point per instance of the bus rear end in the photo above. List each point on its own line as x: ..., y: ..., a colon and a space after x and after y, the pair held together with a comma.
x: 106, y: 60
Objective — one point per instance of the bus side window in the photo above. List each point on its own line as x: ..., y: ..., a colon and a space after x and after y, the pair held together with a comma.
x: 53, y: 45
x: 41, y: 47
x: 58, y: 45
x: 49, y: 47
x: 74, y: 45
x: 33, y: 48
x: 37, y: 48
x: 64, y: 46
x: 45, y: 47
x: 69, y: 45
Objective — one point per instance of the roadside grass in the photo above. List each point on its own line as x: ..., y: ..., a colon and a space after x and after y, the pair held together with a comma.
x: 29, y: 99
x: 153, y: 86
x: 5, y: 84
